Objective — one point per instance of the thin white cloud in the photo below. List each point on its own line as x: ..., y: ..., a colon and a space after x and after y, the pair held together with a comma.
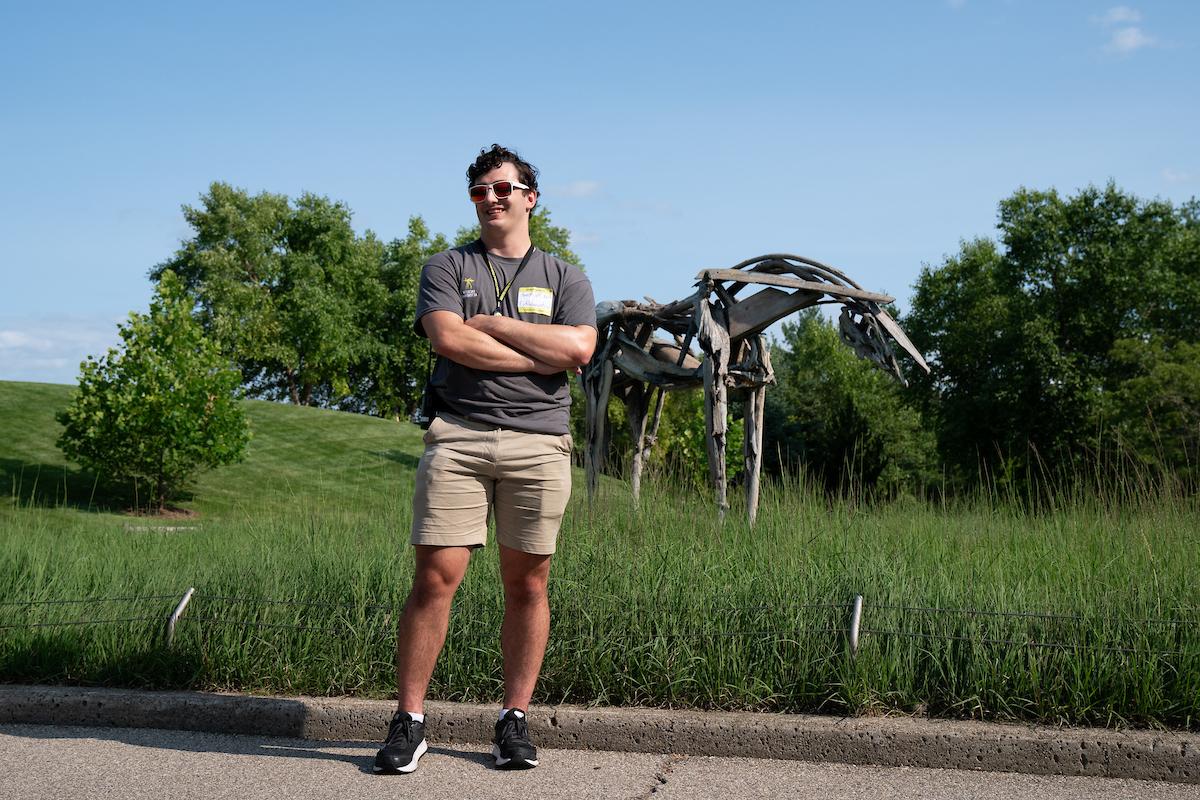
x: 1129, y: 40
x: 576, y: 189
x: 1178, y: 176
x: 1120, y: 15
x: 20, y: 340
x: 1127, y: 36
x: 50, y: 348
x: 956, y: 4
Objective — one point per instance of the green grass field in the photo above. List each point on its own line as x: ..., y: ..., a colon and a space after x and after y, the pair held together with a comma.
x: 300, y: 562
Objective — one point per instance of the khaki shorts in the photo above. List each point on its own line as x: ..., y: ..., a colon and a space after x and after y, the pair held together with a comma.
x: 470, y: 470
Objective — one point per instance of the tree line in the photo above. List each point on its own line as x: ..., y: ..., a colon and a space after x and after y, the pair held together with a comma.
x: 1065, y: 350
x: 1067, y: 343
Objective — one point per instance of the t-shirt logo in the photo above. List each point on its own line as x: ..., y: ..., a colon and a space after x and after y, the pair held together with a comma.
x: 535, y: 300
x: 469, y: 288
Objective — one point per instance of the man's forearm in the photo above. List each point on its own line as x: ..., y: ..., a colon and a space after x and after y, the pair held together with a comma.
x: 472, y: 348
x: 478, y: 350
x: 562, y: 346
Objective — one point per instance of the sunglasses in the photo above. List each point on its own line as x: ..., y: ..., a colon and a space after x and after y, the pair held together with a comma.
x: 501, y: 189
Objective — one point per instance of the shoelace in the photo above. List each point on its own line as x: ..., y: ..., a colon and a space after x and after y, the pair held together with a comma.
x: 515, y: 729
x: 404, y: 728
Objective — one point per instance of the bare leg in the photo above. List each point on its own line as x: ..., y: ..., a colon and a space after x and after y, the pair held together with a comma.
x: 421, y: 631
x: 526, y: 622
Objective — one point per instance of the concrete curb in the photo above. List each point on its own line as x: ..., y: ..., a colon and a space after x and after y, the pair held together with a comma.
x: 880, y: 741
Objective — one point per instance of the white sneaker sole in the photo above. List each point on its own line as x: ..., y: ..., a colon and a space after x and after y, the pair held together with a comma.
x: 508, y: 763
x: 410, y: 766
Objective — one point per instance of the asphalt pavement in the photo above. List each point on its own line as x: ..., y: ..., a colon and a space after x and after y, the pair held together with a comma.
x: 41, y: 762
x: 62, y: 741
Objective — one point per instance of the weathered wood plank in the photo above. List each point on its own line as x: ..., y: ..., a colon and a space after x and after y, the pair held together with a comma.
x: 755, y: 314
x: 792, y: 283
x: 752, y: 439
x: 714, y: 340
x: 714, y: 427
x: 897, y: 333
x: 637, y: 363
x: 671, y: 354
x: 636, y: 406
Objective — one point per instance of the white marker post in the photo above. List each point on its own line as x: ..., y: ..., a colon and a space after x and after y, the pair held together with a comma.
x: 177, y: 613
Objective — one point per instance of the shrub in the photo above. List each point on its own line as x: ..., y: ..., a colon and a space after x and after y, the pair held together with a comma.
x: 161, y: 406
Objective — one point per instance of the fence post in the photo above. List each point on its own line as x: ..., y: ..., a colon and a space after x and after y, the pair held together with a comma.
x: 855, y: 624
x: 177, y: 613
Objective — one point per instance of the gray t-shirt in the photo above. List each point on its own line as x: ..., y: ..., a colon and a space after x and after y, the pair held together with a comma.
x: 548, y: 291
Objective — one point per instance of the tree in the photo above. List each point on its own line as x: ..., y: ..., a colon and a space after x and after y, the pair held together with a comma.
x: 287, y: 290
x: 309, y: 311
x: 1024, y: 339
x: 1155, y: 409
x: 839, y: 418
x: 390, y: 385
x: 961, y: 321
x: 162, y: 406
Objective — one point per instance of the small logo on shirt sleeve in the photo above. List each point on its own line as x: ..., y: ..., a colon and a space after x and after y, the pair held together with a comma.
x: 469, y: 288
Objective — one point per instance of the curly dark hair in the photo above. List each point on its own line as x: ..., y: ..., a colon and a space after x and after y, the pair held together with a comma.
x: 490, y: 159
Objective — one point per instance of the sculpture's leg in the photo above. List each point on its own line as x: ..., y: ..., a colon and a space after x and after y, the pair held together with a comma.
x: 597, y: 385
x: 655, y: 421
x: 636, y: 406
x: 714, y: 340
x: 752, y: 418
x: 715, y: 415
x: 590, y: 467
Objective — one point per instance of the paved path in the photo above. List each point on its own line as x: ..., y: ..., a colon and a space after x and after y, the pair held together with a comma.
x: 38, y: 762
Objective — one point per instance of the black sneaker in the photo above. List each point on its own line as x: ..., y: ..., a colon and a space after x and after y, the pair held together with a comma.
x: 405, y: 744
x: 511, y: 748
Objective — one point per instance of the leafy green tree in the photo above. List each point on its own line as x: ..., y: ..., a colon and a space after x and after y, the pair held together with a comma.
x: 287, y: 290
x: 839, y: 418
x: 960, y: 320
x: 161, y: 407
x: 1023, y: 337
x: 390, y: 385
x: 1155, y: 408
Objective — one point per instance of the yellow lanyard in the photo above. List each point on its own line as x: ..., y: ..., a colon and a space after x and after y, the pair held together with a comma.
x: 501, y: 294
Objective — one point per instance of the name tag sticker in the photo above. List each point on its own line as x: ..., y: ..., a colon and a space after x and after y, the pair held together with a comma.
x: 535, y: 300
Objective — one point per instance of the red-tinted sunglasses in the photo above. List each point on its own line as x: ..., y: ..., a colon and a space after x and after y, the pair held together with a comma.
x: 501, y: 189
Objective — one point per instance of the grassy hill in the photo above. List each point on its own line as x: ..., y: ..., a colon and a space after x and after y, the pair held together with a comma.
x: 295, y: 455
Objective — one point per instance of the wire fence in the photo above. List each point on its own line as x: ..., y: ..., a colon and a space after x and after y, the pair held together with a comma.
x: 58, y: 624
x: 1020, y: 643
x: 88, y: 600
x: 1032, y: 615
x: 250, y: 613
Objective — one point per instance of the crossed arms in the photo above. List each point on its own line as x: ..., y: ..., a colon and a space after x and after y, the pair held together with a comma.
x: 504, y: 344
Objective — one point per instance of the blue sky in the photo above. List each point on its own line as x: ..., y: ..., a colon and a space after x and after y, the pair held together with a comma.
x: 670, y: 137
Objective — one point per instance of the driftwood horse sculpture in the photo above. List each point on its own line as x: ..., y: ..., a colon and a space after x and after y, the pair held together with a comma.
x: 726, y: 322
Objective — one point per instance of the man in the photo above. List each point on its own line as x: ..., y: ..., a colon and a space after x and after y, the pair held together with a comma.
x: 507, y: 321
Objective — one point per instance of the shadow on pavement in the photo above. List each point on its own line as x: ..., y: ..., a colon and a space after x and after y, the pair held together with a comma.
x: 235, y: 744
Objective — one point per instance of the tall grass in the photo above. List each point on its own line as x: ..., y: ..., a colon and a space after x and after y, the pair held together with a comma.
x: 299, y: 582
